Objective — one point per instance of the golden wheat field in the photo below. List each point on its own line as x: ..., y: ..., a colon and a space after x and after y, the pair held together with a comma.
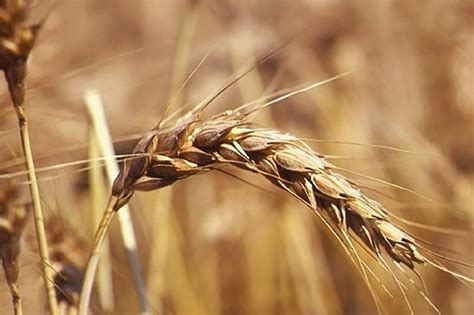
x: 275, y: 157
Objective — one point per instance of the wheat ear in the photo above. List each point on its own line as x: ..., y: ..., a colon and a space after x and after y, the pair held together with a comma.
x: 68, y: 252
x: 16, y: 42
x: 191, y: 147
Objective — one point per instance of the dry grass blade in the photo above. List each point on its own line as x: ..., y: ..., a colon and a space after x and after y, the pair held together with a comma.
x: 16, y: 42
x: 94, y: 107
x: 97, y: 190
x: 13, y: 219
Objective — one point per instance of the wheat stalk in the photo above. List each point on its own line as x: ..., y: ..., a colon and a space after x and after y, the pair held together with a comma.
x: 16, y: 42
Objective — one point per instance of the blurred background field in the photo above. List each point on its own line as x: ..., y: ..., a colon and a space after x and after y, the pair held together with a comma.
x: 213, y: 244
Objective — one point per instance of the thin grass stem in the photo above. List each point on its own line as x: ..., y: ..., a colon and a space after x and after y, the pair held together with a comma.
x: 47, y: 272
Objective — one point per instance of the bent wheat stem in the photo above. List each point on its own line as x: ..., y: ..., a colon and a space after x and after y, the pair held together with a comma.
x: 94, y: 257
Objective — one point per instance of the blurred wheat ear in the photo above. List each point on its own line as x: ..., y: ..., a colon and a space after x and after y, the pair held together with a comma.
x: 17, y: 39
x: 67, y: 251
x: 13, y: 218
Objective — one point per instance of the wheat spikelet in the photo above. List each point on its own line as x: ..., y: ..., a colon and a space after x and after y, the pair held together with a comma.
x: 13, y: 219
